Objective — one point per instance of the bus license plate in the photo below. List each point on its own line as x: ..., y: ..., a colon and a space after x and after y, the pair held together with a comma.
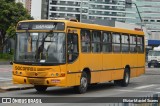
x: 36, y: 81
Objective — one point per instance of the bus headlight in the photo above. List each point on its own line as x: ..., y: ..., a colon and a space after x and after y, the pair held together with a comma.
x: 16, y: 72
x: 52, y: 74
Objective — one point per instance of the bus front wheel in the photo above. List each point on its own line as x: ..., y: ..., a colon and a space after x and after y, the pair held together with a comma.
x: 40, y: 88
x: 82, y: 88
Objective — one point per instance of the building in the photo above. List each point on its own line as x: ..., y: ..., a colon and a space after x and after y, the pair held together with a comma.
x: 150, y: 13
x: 89, y: 9
x: 28, y: 5
x: 39, y: 9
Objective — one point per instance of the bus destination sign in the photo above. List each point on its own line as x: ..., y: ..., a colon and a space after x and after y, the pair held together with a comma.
x: 41, y: 26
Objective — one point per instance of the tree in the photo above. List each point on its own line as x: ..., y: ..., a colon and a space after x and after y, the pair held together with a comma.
x: 10, y: 14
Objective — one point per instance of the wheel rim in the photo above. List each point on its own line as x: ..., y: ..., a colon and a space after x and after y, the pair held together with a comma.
x: 127, y: 78
x: 83, y: 83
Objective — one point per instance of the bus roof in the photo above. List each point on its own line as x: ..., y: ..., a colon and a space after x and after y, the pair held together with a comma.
x: 90, y: 26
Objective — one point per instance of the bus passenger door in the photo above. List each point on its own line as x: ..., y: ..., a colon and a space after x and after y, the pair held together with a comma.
x: 73, y: 75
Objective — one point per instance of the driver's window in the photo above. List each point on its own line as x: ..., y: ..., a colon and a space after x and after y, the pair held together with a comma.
x: 72, y: 47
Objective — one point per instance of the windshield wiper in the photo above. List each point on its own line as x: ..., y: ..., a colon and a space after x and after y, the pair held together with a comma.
x: 41, y: 47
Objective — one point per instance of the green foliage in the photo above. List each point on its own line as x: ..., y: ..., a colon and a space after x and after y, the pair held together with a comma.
x: 6, y: 56
x: 10, y: 14
x: 10, y: 0
x: 11, y: 32
x: 11, y: 52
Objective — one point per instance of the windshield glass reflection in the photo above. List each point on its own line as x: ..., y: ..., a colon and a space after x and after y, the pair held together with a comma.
x: 40, y: 47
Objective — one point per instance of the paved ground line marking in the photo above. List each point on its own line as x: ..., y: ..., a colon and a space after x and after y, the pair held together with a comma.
x: 4, y: 78
x: 5, y: 70
x: 138, y: 91
x: 145, y: 86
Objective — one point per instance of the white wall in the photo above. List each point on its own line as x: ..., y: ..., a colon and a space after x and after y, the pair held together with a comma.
x: 155, y: 36
x: 36, y: 6
x: 126, y: 25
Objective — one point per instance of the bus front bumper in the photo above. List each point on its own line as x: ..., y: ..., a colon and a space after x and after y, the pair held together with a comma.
x: 59, y: 81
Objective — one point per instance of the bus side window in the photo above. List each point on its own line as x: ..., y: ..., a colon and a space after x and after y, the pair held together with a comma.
x: 133, y: 43
x: 72, y: 47
x: 125, y: 42
x: 96, y: 41
x: 85, y: 40
x: 107, y: 42
x: 140, y: 44
x: 116, y: 42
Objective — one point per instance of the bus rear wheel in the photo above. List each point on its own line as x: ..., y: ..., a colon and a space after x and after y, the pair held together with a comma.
x: 117, y: 82
x: 149, y: 65
x: 82, y: 88
x: 126, y: 78
x: 40, y: 88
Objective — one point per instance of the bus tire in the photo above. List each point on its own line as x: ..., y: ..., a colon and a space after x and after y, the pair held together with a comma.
x: 117, y: 82
x: 149, y: 65
x: 158, y: 65
x: 40, y: 88
x: 82, y: 88
x: 126, y: 78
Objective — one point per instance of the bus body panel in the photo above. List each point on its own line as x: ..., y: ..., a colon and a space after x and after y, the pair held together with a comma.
x: 25, y: 74
x: 102, y: 66
x: 113, y: 64
x: 131, y: 61
x: 87, y: 62
x: 106, y: 75
x: 141, y: 63
x: 61, y: 81
x: 96, y: 66
x: 72, y: 70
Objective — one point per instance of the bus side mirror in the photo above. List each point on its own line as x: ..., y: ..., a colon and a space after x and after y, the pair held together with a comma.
x: 11, y: 62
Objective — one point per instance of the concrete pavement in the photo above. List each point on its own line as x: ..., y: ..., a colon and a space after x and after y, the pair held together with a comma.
x: 6, y: 83
x: 6, y: 78
x: 9, y: 86
x: 143, y: 86
x: 4, y: 62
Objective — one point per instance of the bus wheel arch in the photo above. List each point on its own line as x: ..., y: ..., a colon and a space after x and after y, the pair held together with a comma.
x: 88, y: 72
x: 84, y: 81
x: 127, y: 67
x: 126, y: 77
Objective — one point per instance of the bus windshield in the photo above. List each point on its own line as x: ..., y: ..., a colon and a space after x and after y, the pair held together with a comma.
x: 154, y: 53
x: 40, y: 47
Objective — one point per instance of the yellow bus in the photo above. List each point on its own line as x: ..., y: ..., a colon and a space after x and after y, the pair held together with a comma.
x: 67, y: 53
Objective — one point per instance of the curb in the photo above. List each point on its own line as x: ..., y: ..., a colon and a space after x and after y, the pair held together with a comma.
x: 12, y: 88
x: 5, y: 63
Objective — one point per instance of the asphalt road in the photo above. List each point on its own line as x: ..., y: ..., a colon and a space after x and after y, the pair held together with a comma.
x: 143, y: 86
